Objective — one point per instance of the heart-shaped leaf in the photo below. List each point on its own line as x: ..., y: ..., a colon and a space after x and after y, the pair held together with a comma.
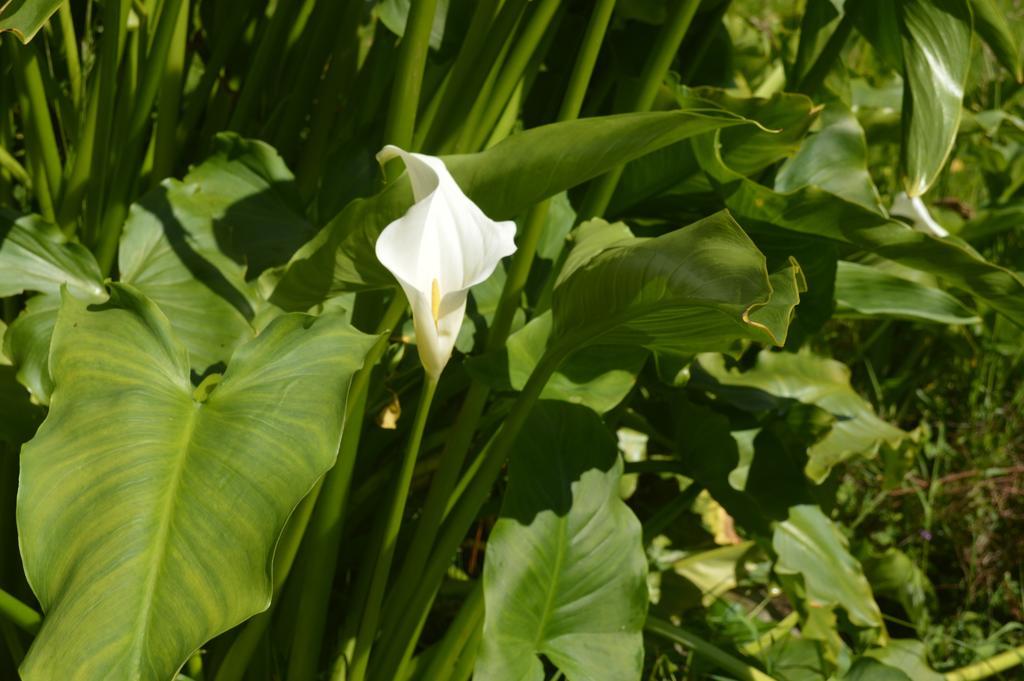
x: 151, y: 511
x: 566, y: 574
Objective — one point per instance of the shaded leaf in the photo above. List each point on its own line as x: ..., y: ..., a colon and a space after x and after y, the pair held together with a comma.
x: 565, y: 575
x: 24, y: 18
x: 779, y: 376
x: 808, y: 544
x: 863, y: 291
x: 36, y: 256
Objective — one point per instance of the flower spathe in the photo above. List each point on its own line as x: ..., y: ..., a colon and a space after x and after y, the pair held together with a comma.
x: 441, y: 247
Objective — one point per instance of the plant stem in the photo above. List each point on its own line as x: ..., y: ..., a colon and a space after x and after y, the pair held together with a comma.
x: 324, y: 532
x: 513, y: 69
x: 467, y: 623
x: 465, y: 509
x: 67, y: 30
x: 19, y: 614
x: 405, y: 96
x: 815, y: 75
x: 17, y: 171
x: 990, y: 667
x: 740, y: 669
x: 457, y: 445
x: 37, y: 117
x: 382, y: 567
x: 600, y: 193
x: 234, y: 665
x: 169, y: 102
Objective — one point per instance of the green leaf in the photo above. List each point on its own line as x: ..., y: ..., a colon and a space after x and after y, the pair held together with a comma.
x: 816, y: 212
x: 565, y: 575
x: 936, y: 38
x: 27, y: 343
x: 869, y: 669
x: 779, y: 377
x: 24, y: 18
x: 908, y: 655
x: 808, y: 544
x: 504, y: 181
x: 36, y: 256
x: 863, y: 291
x: 197, y: 247
x: 153, y: 516
x: 593, y: 377
x: 783, y: 122
x: 395, y: 13
x: 834, y: 159
x: 991, y: 24
x: 697, y: 288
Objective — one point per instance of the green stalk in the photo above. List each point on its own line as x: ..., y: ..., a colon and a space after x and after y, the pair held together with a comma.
x: 476, y: 37
x: 457, y: 445
x: 464, y: 511
x: 600, y: 193
x: 37, y: 117
x: 11, y: 165
x: 405, y: 96
x: 67, y: 30
x: 816, y: 74
x: 19, y: 614
x: 115, y: 15
x: 340, y: 74
x: 127, y: 168
x: 451, y: 118
x: 513, y: 70
x: 325, y: 530
x: 235, y: 663
x: 467, y: 624
x: 382, y: 567
x: 40, y: 187
x: 738, y: 668
x: 263, y: 61
x: 169, y: 102
x: 990, y: 667
x: 78, y: 181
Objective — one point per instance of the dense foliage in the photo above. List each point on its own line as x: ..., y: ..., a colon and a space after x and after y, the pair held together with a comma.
x: 745, y: 402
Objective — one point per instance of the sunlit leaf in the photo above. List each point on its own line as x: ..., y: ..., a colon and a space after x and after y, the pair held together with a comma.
x: 864, y: 291
x: 24, y: 18
x: 151, y: 510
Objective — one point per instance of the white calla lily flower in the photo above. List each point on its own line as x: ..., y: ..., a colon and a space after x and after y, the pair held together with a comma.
x: 442, y: 246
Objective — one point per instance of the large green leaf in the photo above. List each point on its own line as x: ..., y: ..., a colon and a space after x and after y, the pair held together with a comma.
x: 594, y: 376
x: 808, y: 544
x: 25, y: 17
x: 991, y: 24
x: 35, y: 256
x: 697, y: 288
x: 565, y: 575
x: 151, y: 511
x: 812, y: 211
x: 864, y: 291
x: 504, y: 181
x: 197, y: 247
x: 825, y: 383
x: 936, y: 38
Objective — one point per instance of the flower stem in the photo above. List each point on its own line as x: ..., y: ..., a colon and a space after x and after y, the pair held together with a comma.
x: 463, y: 512
x: 467, y: 623
x: 457, y: 446
x: 325, y: 529
x: 990, y: 667
x: 600, y: 193
x: 382, y: 567
x: 405, y: 96
x: 19, y: 614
